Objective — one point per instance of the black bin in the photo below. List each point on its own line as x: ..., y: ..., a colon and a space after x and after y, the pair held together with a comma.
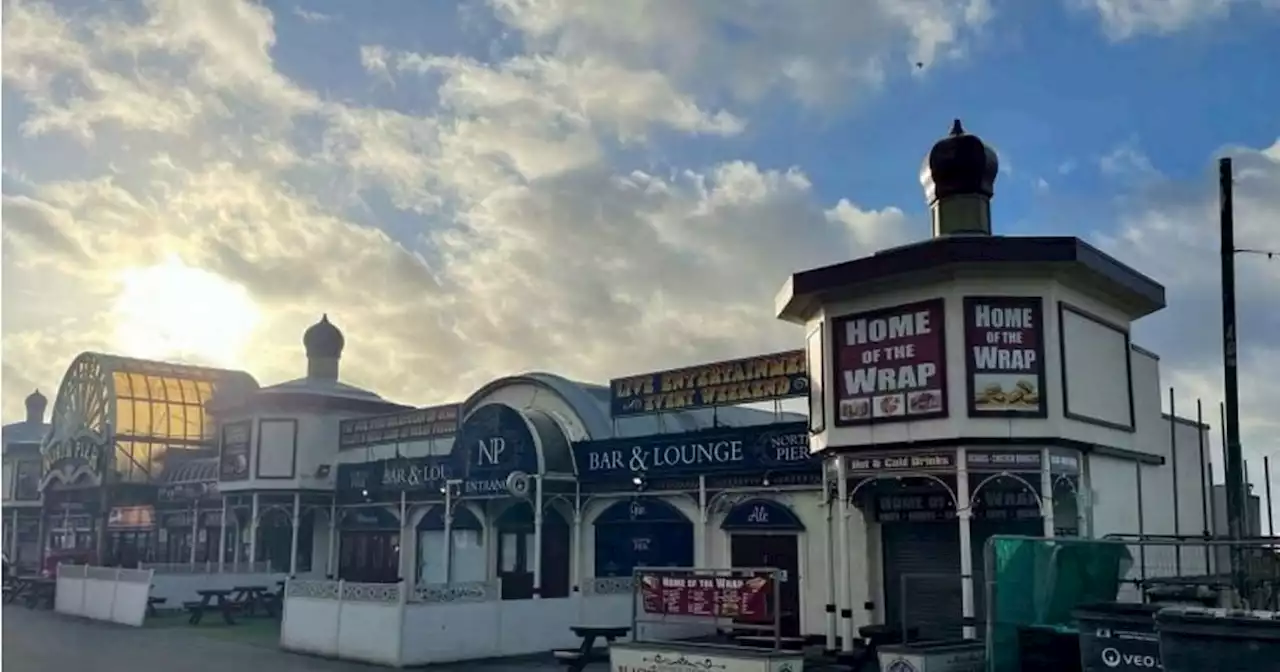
x: 1048, y: 649
x: 1195, y: 639
x: 1118, y: 637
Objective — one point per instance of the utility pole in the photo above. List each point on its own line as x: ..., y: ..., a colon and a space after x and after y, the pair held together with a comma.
x: 1235, y: 461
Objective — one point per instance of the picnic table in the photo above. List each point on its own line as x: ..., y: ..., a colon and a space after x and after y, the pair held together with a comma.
x: 35, y: 590
x: 216, y: 598
x: 576, y: 659
x: 252, y: 597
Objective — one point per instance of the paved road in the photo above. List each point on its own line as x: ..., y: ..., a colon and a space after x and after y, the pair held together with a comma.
x: 42, y: 641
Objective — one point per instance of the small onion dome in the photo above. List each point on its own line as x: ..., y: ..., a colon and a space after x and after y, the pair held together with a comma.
x: 323, y: 340
x: 959, y: 164
x: 36, y: 403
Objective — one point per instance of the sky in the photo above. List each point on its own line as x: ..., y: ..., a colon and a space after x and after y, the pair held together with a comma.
x: 479, y: 188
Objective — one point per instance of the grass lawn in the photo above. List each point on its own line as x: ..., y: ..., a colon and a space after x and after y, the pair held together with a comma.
x: 256, y: 631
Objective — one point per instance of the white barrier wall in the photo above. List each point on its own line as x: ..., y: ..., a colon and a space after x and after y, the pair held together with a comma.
x: 383, y: 624
x: 179, y: 588
x: 103, y: 593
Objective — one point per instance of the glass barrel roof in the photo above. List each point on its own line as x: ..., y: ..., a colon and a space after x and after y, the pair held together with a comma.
x: 142, y: 406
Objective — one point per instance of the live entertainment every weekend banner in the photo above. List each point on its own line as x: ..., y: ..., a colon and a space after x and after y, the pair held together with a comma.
x: 740, y: 381
x: 1004, y: 345
x: 891, y: 364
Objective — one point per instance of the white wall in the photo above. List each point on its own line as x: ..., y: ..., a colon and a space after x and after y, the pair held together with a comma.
x: 317, y: 444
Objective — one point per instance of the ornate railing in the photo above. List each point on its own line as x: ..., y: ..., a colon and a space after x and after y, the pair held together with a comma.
x: 608, y: 585
x: 456, y: 593
x: 371, y: 592
x: 315, y: 589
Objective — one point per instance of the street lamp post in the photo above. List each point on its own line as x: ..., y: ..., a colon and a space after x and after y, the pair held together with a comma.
x: 452, y: 488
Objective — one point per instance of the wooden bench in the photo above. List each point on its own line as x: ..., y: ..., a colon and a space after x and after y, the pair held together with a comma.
x: 213, y: 600
x: 576, y: 659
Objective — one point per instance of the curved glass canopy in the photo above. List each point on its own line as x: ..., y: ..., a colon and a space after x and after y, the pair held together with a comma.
x: 142, y: 408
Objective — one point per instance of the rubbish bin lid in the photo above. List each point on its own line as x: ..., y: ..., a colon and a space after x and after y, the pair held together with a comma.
x: 1107, y: 609
x: 1220, y: 623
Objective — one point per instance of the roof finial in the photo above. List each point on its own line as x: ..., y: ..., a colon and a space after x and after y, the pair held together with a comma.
x: 956, y: 128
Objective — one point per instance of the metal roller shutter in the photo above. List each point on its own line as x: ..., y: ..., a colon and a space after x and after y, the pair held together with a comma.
x: 928, y: 555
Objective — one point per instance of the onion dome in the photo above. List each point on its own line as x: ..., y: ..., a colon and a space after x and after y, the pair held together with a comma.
x: 323, y: 340
x: 959, y: 164
x: 36, y: 404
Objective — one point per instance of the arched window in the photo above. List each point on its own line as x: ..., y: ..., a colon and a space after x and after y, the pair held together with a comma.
x: 469, y: 562
x: 641, y: 532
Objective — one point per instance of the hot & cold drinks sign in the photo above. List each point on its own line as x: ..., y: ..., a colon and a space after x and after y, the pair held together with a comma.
x: 1004, y: 345
x: 891, y: 364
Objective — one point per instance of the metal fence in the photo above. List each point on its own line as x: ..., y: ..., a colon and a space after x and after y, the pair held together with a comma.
x: 1032, y: 585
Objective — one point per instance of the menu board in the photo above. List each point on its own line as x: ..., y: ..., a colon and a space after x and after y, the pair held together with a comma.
x: 1004, y: 346
x: 891, y: 364
x: 687, y: 594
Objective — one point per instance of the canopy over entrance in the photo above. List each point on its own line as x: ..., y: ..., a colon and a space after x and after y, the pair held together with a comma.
x: 120, y: 416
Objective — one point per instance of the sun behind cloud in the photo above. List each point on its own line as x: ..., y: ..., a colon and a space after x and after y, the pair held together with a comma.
x: 175, y: 312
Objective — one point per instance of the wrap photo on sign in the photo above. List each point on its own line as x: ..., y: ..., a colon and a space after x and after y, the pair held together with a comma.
x: 1004, y: 351
x: 890, y: 364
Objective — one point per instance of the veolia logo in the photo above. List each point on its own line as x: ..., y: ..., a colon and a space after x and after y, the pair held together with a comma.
x: 1114, y: 658
x: 901, y: 665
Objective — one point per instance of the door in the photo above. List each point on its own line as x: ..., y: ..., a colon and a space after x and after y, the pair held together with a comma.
x: 369, y: 557
x: 773, y: 550
x: 555, y: 555
x: 515, y: 563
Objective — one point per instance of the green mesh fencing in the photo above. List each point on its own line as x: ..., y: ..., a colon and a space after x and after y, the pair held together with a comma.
x: 1033, y: 585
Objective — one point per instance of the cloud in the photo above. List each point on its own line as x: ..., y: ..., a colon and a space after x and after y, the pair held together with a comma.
x: 818, y: 52
x: 1127, y: 161
x: 1170, y: 230
x: 312, y: 17
x: 1124, y: 19
x: 518, y: 222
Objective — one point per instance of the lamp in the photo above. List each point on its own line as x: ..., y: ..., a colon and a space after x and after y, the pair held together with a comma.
x: 638, y: 480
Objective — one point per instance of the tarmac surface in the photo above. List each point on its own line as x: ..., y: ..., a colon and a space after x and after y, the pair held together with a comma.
x: 43, y: 641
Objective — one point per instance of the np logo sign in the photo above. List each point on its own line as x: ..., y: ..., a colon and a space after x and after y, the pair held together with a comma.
x: 490, y: 451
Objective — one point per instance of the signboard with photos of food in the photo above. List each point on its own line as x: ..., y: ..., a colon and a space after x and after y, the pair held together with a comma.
x: 1004, y: 346
x: 890, y: 364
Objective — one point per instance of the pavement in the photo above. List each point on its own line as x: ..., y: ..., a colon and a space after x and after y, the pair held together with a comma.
x: 44, y: 641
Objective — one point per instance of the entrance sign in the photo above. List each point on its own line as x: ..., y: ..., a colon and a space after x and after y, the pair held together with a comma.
x: 740, y: 381
x: 1004, y: 356
x: 890, y: 364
